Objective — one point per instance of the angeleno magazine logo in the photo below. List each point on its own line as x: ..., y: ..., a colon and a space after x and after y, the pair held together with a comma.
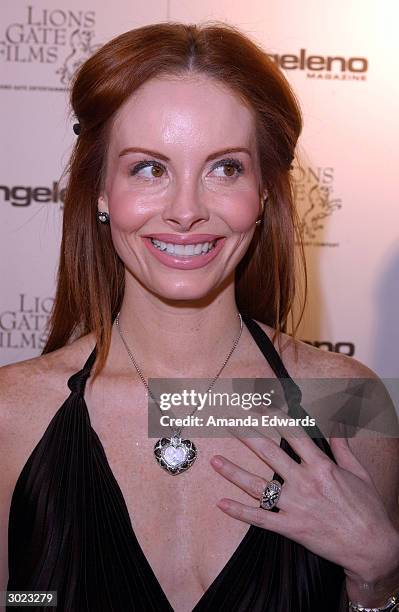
x: 345, y: 348
x: 58, y: 36
x: 328, y: 67
x: 25, y: 195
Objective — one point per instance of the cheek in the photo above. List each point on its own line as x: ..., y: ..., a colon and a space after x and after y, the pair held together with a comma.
x: 241, y: 212
x: 128, y: 214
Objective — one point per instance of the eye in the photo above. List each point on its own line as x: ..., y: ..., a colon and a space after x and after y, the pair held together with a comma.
x: 154, y: 169
x: 230, y: 168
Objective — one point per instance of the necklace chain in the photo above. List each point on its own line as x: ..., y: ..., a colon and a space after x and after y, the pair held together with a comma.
x: 177, y: 432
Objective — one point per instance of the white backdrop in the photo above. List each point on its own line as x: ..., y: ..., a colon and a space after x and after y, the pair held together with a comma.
x: 340, y: 59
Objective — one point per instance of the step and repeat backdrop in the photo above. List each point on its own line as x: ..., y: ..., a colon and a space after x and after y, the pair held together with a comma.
x: 340, y: 58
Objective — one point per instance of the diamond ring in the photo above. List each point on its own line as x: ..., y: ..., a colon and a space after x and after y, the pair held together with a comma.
x: 270, y: 495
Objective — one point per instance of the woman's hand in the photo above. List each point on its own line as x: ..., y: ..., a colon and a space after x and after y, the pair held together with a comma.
x: 334, y: 510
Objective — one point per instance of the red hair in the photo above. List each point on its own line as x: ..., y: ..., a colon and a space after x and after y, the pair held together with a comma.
x: 91, y: 275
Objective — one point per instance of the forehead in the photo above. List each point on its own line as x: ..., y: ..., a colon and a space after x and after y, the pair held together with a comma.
x: 191, y: 110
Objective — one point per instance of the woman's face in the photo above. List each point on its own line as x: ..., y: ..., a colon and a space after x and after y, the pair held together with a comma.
x: 182, y: 176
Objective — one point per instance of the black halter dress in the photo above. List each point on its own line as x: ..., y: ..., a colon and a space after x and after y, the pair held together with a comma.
x: 70, y: 530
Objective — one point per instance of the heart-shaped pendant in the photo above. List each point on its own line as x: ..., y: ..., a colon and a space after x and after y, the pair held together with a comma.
x: 174, y: 454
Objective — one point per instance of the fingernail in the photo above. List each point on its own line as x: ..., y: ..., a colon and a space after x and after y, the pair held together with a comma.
x: 223, y: 504
x: 216, y: 461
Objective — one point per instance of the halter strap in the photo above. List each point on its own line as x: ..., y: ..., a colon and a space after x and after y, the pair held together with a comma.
x: 77, y: 382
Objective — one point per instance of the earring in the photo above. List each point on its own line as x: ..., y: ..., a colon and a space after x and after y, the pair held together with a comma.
x: 103, y: 216
x: 263, y: 202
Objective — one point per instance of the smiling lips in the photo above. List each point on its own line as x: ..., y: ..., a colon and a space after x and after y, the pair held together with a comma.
x: 184, y: 252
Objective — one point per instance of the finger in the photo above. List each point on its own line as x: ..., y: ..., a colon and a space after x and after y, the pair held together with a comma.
x: 270, y: 452
x: 346, y: 459
x: 275, y: 521
x: 295, y: 435
x: 250, y: 483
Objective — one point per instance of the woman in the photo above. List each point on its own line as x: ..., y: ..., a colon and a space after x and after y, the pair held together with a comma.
x: 179, y: 216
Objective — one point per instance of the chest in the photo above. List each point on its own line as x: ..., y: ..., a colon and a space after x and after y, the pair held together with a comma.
x: 186, y: 539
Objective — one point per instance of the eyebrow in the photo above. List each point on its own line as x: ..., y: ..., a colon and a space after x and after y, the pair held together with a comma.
x: 166, y: 159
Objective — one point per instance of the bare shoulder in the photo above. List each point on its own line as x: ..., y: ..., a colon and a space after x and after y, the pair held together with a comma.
x: 303, y: 360
x: 30, y: 393
x: 30, y: 382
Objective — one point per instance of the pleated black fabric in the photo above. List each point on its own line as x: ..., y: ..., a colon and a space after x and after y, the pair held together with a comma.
x: 70, y: 530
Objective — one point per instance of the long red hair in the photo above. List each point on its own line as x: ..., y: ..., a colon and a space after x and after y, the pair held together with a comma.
x: 91, y: 275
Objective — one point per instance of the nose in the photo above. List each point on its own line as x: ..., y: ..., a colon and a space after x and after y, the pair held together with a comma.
x: 186, y: 209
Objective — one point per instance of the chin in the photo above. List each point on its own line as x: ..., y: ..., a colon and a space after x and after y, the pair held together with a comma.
x: 187, y: 293
x: 182, y: 285
x: 180, y: 289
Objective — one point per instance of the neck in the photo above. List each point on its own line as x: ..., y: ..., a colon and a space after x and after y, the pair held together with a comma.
x: 190, y: 339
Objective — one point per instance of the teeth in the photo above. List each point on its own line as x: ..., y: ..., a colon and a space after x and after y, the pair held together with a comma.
x: 158, y: 243
x: 183, y: 249
x: 179, y: 249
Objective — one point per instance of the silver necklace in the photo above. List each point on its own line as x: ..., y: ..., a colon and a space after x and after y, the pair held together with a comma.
x: 174, y: 454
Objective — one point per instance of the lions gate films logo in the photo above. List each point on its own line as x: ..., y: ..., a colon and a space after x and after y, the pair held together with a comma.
x: 316, y: 203
x: 57, y: 39
x: 24, y: 327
